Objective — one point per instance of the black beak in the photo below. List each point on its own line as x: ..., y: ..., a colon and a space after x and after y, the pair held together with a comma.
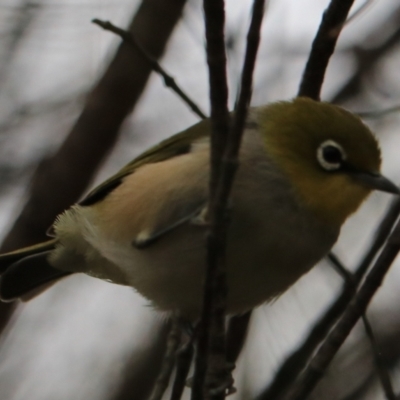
x: 375, y: 181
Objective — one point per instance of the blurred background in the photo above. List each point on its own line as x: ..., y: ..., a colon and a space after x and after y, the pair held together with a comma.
x: 75, y: 107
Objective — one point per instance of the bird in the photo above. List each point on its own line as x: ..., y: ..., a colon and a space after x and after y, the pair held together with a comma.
x: 304, y: 167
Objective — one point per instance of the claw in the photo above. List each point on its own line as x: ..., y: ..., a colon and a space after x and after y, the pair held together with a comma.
x: 226, y: 387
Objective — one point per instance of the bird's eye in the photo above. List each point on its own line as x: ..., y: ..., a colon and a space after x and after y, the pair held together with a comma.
x: 330, y: 155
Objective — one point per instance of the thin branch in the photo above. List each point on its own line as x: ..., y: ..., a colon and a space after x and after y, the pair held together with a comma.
x: 69, y: 171
x: 380, y: 364
x: 367, y: 58
x: 235, y: 339
x: 183, y: 362
x: 291, y: 368
x: 378, y: 113
x: 295, y: 363
x: 169, y: 81
x: 381, y: 234
x: 354, y: 311
x: 341, y: 269
x: 361, y: 10
x: 212, y: 313
x: 224, y: 162
x: 246, y: 89
x: 164, y: 376
x: 323, y: 47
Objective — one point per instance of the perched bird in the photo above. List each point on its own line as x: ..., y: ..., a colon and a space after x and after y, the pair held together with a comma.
x: 305, y: 166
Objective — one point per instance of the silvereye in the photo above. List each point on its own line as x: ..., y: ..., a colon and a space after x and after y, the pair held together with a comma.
x: 305, y: 166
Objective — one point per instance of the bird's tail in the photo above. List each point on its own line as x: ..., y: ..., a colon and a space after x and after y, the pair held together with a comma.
x: 27, y: 272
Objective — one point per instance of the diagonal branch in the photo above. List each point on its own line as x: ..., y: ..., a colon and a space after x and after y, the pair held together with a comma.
x: 368, y: 57
x: 60, y: 180
x: 295, y: 363
x: 95, y: 132
x: 323, y: 47
x: 169, y: 81
x: 380, y: 364
x: 354, y: 311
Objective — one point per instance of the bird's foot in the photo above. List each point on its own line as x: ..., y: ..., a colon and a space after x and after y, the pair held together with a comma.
x: 201, y: 219
x: 223, y: 383
x: 220, y: 385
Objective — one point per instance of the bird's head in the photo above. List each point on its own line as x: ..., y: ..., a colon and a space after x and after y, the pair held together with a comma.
x: 329, y: 155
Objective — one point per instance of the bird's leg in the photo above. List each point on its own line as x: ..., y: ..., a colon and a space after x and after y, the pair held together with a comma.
x: 201, y: 218
x: 223, y: 383
x: 174, y: 338
x: 217, y: 384
x: 184, y: 356
x: 145, y: 239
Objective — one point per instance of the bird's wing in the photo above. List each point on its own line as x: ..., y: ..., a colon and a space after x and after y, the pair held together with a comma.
x: 174, y: 146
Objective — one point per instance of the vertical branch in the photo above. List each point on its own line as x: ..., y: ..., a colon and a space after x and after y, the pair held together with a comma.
x: 214, y: 14
x: 323, y: 47
x: 224, y: 163
x: 214, y: 11
x: 161, y: 384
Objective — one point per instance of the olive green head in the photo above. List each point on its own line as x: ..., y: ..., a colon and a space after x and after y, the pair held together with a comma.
x: 329, y: 155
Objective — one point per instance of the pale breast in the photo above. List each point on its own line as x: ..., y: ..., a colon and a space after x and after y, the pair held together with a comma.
x: 272, y: 240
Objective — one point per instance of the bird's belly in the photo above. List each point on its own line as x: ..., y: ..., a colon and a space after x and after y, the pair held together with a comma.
x: 263, y: 259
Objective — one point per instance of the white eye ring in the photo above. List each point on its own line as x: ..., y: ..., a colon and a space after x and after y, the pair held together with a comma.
x: 332, y: 161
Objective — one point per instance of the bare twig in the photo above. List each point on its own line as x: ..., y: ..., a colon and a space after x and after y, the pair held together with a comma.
x: 341, y: 269
x: 224, y: 162
x: 164, y: 376
x: 380, y: 364
x: 71, y: 169
x: 353, y: 312
x: 378, y: 113
x: 295, y: 363
x: 381, y: 235
x: 323, y: 47
x: 183, y: 362
x: 367, y: 58
x: 169, y: 81
x: 214, y: 11
x: 360, y: 10
x: 381, y: 367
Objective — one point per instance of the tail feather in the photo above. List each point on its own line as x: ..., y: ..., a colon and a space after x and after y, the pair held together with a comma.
x: 7, y: 259
x: 27, y: 275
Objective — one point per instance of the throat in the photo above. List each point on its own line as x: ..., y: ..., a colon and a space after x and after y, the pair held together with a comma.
x: 332, y: 201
